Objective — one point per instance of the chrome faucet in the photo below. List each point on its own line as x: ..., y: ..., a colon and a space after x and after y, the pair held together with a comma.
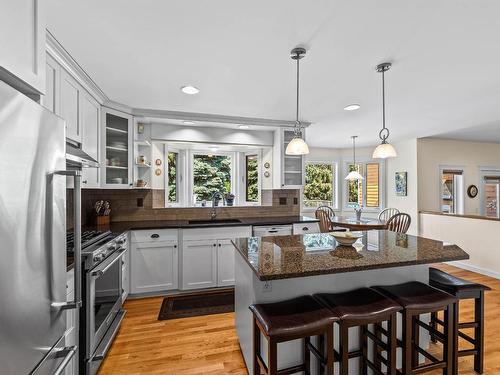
x: 213, y: 214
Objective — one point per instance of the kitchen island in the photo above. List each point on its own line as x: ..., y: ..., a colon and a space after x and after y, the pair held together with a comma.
x: 271, y: 269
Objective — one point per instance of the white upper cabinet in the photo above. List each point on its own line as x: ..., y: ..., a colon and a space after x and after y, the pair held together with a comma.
x: 22, y: 41
x: 288, y: 170
x: 90, y: 113
x: 52, y: 78
x: 70, y: 103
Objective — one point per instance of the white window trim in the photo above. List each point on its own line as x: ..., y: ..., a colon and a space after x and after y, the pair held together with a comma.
x: 243, y: 178
x: 443, y: 167
x: 484, y: 171
x: 336, y: 194
x: 382, y: 185
x: 180, y: 176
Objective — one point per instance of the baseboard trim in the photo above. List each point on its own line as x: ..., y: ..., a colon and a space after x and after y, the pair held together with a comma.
x: 470, y: 267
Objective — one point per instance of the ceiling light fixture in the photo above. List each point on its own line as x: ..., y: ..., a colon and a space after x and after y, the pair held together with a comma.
x: 354, y: 175
x: 352, y: 107
x: 297, y: 145
x: 243, y: 126
x: 188, y: 122
x: 213, y: 148
x: 385, y: 149
x: 190, y: 90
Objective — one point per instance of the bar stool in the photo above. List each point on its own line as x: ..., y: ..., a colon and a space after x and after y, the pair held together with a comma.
x: 359, y: 308
x: 462, y: 289
x: 298, y: 318
x: 418, y: 298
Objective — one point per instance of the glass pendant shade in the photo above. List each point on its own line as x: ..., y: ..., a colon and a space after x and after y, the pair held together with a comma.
x: 384, y: 151
x: 297, y: 146
x: 354, y: 175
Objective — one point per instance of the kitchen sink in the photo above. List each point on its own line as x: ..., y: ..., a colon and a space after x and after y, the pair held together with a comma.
x: 215, y: 221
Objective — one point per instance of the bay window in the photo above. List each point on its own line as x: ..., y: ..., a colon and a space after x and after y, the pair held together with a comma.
x: 365, y: 192
x: 320, y: 185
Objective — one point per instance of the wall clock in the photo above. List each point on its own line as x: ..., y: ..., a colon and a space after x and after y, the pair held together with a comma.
x: 472, y: 191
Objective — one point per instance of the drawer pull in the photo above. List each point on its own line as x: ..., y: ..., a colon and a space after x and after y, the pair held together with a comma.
x: 155, y: 235
x: 175, y: 246
x: 305, y: 228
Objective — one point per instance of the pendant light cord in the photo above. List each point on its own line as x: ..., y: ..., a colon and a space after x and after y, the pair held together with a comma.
x: 297, y: 122
x: 384, y: 132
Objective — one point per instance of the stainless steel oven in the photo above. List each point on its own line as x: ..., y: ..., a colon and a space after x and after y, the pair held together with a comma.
x: 104, y: 313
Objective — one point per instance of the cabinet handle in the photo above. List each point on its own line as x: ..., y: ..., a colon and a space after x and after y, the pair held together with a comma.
x: 84, y: 181
x: 175, y: 246
x: 305, y: 228
x: 219, y: 245
x: 215, y: 244
x: 155, y: 235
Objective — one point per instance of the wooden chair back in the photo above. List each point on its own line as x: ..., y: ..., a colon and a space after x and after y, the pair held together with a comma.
x: 399, y: 223
x: 325, y: 223
x: 387, y: 213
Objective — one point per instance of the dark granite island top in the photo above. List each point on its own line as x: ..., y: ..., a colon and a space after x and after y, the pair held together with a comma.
x: 274, y: 258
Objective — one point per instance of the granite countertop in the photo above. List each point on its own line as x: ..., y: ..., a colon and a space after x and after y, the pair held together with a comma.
x: 282, y: 257
x: 122, y: 226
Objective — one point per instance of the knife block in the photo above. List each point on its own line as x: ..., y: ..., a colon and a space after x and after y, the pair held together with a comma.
x: 102, y: 221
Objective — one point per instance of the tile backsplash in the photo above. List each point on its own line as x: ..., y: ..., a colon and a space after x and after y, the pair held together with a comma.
x: 137, y: 205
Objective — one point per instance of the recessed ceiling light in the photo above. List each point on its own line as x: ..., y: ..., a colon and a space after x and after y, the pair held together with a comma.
x: 213, y: 149
x: 188, y: 122
x: 243, y: 126
x: 352, y: 107
x: 191, y: 90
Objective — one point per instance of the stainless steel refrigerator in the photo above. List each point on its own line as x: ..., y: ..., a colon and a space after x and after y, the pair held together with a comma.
x: 32, y: 238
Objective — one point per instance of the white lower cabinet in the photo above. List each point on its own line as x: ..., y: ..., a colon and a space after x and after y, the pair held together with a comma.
x: 225, y: 262
x: 70, y: 337
x: 305, y: 228
x: 207, y: 259
x: 199, y: 264
x: 154, y: 266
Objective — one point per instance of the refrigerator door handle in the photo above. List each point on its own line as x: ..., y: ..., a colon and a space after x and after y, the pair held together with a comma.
x: 68, y: 353
x: 77, y: 207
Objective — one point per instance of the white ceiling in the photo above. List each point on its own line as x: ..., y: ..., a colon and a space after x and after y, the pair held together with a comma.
x: 489, y: 133
x: 445, y: 58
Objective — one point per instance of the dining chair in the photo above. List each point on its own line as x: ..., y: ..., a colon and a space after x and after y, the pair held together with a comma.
x: 399, y: 223
x: 328, y: 209
x: 387, y: 213
x: 325, y: 223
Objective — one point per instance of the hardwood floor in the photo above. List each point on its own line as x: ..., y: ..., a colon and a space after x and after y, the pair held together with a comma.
x: 209, y: 344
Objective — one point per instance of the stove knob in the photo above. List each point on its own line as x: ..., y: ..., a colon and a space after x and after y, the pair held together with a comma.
x: 98, y: 257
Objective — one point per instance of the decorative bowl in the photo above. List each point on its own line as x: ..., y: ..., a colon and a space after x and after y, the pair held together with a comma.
x: 346, y: 238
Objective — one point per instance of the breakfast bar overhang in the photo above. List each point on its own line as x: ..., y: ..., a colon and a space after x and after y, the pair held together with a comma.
x: 271, y: 269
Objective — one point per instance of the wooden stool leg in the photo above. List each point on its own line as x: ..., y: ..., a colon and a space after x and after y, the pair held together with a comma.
x: 392, y: 343
x: 272, y: 357
x: 321, y: 349
x: 363, y: 343
x: 456, y: 322
x: 448, y: 345
x: 416, y: 340
x: 376, y: 348
x: 407, y: 347
x: 307, y: 356
x: 256, y: 347
x: 433, y: 324
x: 329, y: 351
x: 344, y: 349
x: 479, y: 333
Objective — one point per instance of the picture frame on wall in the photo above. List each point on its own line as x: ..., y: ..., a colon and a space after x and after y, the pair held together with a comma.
x: 401, y: 184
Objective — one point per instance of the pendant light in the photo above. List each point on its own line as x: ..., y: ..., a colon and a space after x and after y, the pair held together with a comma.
x: 354, y: 175
x: 385, y: 149
x: 297, y: 145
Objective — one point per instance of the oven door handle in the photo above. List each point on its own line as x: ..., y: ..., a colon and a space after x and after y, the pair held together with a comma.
x: 77, y: 208
x: 99, y: 273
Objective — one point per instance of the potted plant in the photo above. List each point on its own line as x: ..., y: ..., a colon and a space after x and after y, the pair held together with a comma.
x: 229, y: 197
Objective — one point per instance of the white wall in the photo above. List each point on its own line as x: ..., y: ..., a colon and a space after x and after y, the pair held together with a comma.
x: 477, y: 237
x: 406, y: 161
x: 470, y: 155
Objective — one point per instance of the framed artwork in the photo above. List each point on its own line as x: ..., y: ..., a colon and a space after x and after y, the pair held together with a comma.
x: 401, y: 184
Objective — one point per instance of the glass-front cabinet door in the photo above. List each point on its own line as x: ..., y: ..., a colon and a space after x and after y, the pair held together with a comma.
x: 292, y: 165
x: 117, y: 135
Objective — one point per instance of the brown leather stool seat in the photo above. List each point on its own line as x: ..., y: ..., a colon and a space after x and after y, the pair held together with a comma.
x: 300, y: 317
x: 462, y: 289
x: 418, y: 298
x: 358, y: 308
x: 452, y: 284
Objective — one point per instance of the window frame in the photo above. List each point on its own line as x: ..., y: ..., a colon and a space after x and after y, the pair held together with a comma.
x: 381, y: 185
x: 443, y: 167
x: 179, y: 176
x: 189, y: 202
x: 335, y: 183
x: 243, y: 178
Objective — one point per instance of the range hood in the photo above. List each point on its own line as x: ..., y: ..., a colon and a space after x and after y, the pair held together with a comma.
x: 76, y: 157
